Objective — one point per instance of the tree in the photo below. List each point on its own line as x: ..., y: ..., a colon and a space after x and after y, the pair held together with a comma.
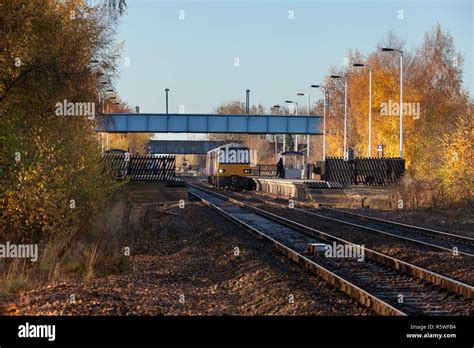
x: 457, y: 171
x: 52, y: 178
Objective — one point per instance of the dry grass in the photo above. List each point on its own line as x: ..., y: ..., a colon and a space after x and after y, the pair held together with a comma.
x: 81, y: 255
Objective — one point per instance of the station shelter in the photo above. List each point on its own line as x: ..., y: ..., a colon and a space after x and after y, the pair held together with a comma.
x: 294, y: 164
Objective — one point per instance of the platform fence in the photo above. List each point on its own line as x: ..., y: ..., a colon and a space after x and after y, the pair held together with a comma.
x: 265, y: 170
x: 142, y: 167
x: 362, y: 170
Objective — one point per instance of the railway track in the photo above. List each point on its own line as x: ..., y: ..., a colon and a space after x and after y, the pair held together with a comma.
x: 436, y: 239
x: 387, y: 285
x: 424, y: 255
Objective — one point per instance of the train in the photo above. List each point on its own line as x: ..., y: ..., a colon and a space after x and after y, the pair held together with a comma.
x: 228, y: 166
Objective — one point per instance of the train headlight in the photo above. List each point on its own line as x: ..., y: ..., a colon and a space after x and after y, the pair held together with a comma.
x: 247, y: 171
x: 221, y: 170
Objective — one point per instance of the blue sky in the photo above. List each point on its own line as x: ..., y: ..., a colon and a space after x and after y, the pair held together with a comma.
x: 278, y: 56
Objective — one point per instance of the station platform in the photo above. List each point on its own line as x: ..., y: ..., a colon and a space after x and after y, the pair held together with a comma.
x: 291, y: 188
x: 320, y: 192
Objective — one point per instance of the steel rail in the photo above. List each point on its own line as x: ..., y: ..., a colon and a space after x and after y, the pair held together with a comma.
x: 364, y: 297
x: 424, y: 274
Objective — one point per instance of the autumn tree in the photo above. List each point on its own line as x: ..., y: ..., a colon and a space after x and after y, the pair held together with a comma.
x: 432, y: 84
x: 457, y: 170
x: 52, y: 180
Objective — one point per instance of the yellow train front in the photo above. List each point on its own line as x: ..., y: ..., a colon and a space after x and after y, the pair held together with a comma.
x: 229, y: 166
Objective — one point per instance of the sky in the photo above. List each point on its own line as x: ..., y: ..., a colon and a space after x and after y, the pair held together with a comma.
x: 209, y: 52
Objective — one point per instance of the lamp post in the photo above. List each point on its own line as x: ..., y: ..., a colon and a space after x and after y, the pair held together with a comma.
x: 99, y: 74
x: 307, y: 136
x: 247, y: 102
x: 101, y: 109
x: 275, y: 137
x: 284, y: 135
x: 105, y: 98
x: 324, y: 89
x: 307, y: 95
x: 369, y: 150
x: 296, y: 136
x: 101, y: 100
x: 106, y: 110
x: 277, y: 107
x: 386, y: 49
x: 166, y: 91
x: 345, y: 111
x: 95, y: 62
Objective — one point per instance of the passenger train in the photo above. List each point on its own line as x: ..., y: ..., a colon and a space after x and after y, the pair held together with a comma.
x: 228, y: 166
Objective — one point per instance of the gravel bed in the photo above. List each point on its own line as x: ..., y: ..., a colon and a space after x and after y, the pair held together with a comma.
x: 192, y: 263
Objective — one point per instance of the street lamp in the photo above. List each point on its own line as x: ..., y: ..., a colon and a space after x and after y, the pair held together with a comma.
x: 94, y: 62
x: 324, y: 89
x: 247, y: 102
x: 345, y: 111
x: 275, y: 137
x: 296, y: 136
x: 292, y: 102
x: 307, y: 136
x: 358, y: 65
x: 277, y: 106
x: 106, y: 97
x: 166, y: 91
x: 386, y: 49
x: 102, y: 101
x: 307, y: 95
